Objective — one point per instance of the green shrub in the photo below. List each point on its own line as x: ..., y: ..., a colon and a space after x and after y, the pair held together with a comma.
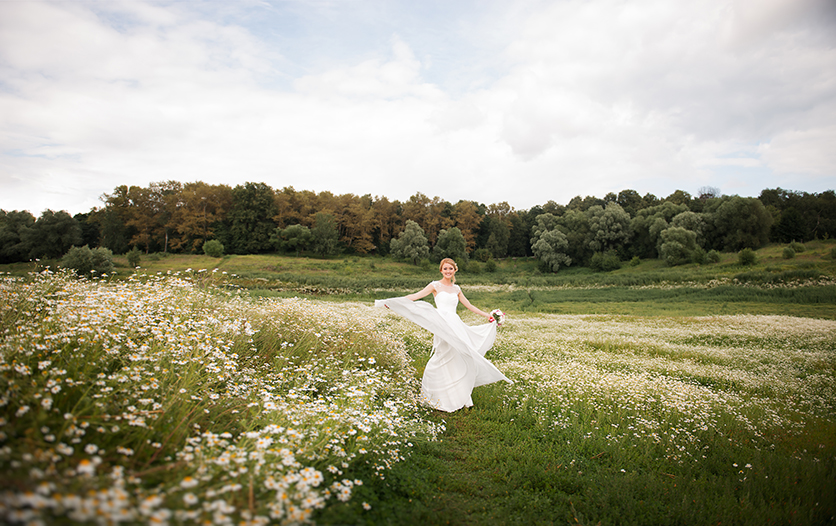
x: 747, y: 257
x: 213, y: 248
x: 712, y: 257
x: 605, y: 262
x: 482, y: 254
x: 698, y: 256
x: 788, y: 253
x: 798, y: 247
x: 85, y: 261
x: 473, y: 267
x: 490, y: 266
x: 635, y: 261
x: 134, y: 257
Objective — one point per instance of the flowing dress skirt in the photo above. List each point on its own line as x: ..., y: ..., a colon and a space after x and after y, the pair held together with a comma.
x: 458, y: 363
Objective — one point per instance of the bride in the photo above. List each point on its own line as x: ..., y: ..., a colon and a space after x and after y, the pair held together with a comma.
x: 458, y: 362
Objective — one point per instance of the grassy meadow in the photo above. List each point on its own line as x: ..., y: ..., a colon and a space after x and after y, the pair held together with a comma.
x: 267, y: 390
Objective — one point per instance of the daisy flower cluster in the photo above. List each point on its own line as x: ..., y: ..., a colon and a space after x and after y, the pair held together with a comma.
x: 675, y: 384
x: 165, y: 400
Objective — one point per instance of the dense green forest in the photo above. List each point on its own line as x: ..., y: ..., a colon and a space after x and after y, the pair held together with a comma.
x: 255, y: 218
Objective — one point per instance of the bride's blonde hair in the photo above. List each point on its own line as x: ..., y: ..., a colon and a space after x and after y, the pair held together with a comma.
x: 448, y: 260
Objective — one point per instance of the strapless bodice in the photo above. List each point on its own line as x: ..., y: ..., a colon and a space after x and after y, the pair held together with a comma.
x: 446, y: 302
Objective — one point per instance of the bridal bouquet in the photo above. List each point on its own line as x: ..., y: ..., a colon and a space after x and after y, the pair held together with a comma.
x: 497, y: 316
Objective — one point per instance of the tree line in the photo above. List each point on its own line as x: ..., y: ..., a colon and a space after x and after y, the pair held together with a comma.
x: 255, y: 218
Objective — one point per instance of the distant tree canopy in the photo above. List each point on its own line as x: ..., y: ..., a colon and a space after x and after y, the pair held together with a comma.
x: 549, y: 243
x: 253, y: 217
x: 411, y: 245
x: 451, y: 243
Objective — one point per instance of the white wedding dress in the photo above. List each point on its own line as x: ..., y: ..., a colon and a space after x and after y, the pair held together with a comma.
x: 458, y: 363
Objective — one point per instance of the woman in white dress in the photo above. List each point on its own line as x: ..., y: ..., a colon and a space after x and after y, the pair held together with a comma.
x: 458, y: 362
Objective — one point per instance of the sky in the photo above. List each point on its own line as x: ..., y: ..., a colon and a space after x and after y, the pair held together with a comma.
x: 517, y: 101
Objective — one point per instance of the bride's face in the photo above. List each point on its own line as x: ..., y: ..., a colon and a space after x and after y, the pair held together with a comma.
x: 448, y: 271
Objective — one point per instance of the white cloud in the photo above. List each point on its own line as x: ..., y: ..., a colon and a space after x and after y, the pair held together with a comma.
x: 809, y: 151
x: 587, y: 98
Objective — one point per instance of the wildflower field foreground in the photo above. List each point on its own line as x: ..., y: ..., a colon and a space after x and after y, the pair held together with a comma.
x: 169, y: 400
x: 161, y: 400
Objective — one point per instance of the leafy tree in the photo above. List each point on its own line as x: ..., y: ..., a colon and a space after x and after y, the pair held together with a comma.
x: 249, y: 223
x: 324, y: 235
x: 609, y: 227
x: 494, y: 233
x: 113, y: 220
x: 584, y: 204
x: 295, y: 237
x: 630, y: 201
x: 574, y: 224
x: 790, y: 226
x: 89, y: 229
x: 519, y: 236
x: 199, y: 214
x: 356, y: 223
x: 543, y: 223
x: 411, y: 244
x: 647, y: 227
x: 679, y: 197
x: 467, y: 220
x: 385, y: 223
x: 825, y: 215
x: 691, y: 221
x: 144, y: 216
x: 814, y: 215
x: 549, y: 244
x: 550, y: 248
x: 737, y: 222
x: 52, y: 235
x: 677, y: 245
x: 150, y: 213
x: 432, y: 215
x: 12, y: 227
x: 451, y: 244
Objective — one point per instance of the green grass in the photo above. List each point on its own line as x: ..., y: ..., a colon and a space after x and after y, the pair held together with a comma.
x: 499, y: 465
x: 772, y: 286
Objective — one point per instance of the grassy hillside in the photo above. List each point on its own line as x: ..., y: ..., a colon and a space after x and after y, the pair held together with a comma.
x: 802, y: 286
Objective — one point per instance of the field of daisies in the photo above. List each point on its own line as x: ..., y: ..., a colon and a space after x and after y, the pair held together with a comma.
x: 163, y: 400
x: 175, y: 399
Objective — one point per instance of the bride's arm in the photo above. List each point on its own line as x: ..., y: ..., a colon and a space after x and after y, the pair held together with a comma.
x: 426, y: 291
x: 464, y: 301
